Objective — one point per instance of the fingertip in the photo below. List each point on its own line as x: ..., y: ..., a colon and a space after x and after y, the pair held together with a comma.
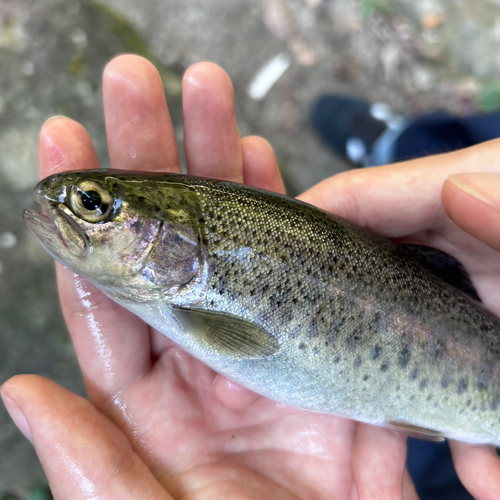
x: 260, y: 167
x: 211, y: 136
x: 125, y: 63
x: 471, y: 197
x: 64, y: 144
x: 138, y: 125
x: 478, y: 467
x: 206, y: 74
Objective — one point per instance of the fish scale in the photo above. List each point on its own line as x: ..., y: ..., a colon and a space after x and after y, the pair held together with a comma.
x: 294, y: 303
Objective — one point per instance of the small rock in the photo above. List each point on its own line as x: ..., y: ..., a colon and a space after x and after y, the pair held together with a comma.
x: 79, y: 38
x: 28, y: 68
x: 423, y: 78
x: 390, y: 57
x: 313, y: 3
x: 432, y: 20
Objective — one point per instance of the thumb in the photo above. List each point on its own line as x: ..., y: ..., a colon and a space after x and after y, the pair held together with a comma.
x: 84, y: 454
x: 472, y: 201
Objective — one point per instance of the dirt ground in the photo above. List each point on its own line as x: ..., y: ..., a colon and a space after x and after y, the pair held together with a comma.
x: 416, y: 56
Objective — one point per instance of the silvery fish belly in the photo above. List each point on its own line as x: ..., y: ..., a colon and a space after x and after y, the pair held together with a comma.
x: 294, y: 303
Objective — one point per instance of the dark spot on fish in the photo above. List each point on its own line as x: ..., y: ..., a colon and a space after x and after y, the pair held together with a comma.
x: 315, y: 351
x: 482, y: 386
x: 384, y: 366
x: 141, y: 199
x: 366, y: 377
x: 398, y: 387
x: 302, y: 346
x: 336, y: 359
x: 445, y: 381
x: 353, y: 341
x: 483, y: 380
x: 357, y: 362
x: 462, y: 386
x: 412, y: 397
x: 414, y: 373
x: 438, y: 349
x: 495, y: 404
x: 376, y: 352
x: 404, y: 357
x: 429, y: 397
x: 468, y: 402
x: 423, y: 384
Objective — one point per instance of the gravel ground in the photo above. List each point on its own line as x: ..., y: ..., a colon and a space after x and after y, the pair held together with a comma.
x: 416, y: 56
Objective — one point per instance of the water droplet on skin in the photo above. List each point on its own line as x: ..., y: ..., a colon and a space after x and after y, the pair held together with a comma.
x: 95, y: 328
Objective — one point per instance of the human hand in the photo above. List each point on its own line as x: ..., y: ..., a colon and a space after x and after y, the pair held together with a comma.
x: 159, y: 423
x: 448, y: 202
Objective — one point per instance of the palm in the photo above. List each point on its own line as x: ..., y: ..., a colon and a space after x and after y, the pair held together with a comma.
x: 263, y: 449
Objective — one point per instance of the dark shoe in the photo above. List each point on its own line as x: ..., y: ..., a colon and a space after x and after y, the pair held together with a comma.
x: 354, y: 128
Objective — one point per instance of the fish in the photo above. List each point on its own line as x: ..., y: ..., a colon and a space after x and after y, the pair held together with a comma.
x: 292, y: 302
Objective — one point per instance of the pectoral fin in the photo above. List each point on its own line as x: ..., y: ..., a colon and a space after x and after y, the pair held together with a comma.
x: 227, y: 334
x: 415, y: 431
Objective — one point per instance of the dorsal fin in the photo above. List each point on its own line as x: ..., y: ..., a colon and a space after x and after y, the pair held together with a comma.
x: 445, y: 267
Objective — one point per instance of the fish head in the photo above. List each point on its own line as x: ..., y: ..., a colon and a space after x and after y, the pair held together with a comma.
x: 132, y: 237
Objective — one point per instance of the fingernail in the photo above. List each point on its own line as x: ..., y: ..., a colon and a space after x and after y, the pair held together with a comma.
x: 55, y: 117
x: 17, y: 416
x: 483, y: 186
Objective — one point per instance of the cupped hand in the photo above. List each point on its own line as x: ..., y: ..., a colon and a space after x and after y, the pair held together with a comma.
x: 158, y: 423
x: 450, y: 202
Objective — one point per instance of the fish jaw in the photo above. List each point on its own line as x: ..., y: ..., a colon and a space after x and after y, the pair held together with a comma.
x: 57, y: 235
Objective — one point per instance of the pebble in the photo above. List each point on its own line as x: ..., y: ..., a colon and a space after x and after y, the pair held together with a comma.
x: 7, y: 240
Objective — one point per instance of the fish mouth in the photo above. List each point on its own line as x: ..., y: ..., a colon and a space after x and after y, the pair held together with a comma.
x: 58, y: 231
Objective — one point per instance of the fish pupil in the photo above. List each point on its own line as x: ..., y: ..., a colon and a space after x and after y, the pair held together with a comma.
x: 91, y: 200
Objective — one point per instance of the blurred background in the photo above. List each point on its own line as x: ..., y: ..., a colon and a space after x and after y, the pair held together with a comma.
x: 416, y: 56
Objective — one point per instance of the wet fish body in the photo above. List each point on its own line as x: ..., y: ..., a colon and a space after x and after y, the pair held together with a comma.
x: 294, y: 303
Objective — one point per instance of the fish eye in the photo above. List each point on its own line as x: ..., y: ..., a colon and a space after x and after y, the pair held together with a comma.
x: 91, y: 201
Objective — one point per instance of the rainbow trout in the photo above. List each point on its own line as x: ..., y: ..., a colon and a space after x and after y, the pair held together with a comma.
x: 296, y: 304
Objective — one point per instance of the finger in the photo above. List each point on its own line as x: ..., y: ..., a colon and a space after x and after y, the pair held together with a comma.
x: 84, y: 454
x: 478, y: 467
x: 409, y: 491
x: 403, y: 198
x: 469, y: 198
x: 138, y: 125
x: 65, y: 145
x: 211, y: 137
x: 379, y: 463
x: 96, y: 324
x: 260, y: 168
